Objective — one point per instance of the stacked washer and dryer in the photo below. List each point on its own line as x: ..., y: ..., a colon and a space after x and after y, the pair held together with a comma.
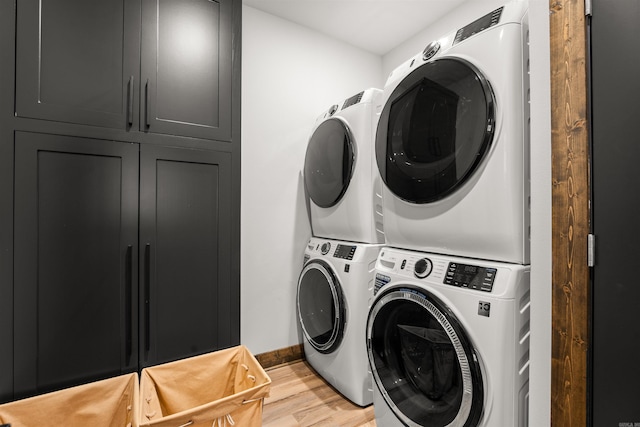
x: 335, y: 287
x: 414, y: 293
x: 448, y: 330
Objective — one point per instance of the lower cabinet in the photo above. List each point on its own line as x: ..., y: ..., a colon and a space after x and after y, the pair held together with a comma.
x: 186, y: 299
x: 122, y: 258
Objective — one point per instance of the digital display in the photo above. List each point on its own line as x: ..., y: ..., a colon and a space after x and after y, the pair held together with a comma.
x: 470, y: 276
x: 344, y: 252
x: 478, y: 25
x: 353, y: 100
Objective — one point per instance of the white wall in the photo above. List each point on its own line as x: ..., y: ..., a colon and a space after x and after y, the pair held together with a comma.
x: 540, y: 343
x: 290, y: 75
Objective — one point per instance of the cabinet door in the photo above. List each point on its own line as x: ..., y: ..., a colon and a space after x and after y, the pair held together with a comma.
x: 75, y: 261
x: 187, y: 304
x: 186, y: 68
x: 78, y: 61
x: 615, y: 203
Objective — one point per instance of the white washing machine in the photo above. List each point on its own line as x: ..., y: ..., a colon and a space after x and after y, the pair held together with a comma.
x: 340, y: 176
x: 448, y: 341
x: 335, y: 289
x: 452, y: 143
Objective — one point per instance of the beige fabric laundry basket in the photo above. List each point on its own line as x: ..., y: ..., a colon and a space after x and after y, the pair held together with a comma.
x: 223, y: 388
x: 108, y: 403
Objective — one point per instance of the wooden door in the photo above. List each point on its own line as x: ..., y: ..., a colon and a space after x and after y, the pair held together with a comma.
x: 188, y: 302
x: 186, y: 68
x: 76, y: 237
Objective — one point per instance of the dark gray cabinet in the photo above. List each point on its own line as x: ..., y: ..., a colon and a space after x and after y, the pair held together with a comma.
x: 76, y: 236
x: 186, y: 292
x: 105, y: 286
x: 120, y: 189
x: 615, y: 202
x: 141, y: 65
x: 78, y: 61
x: 186, y: 68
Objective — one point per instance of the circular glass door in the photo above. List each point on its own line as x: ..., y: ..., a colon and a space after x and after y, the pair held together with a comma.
x: 422, y: 361
x: 329, y: 162
x: 321, y: 308
x: 434, y: 130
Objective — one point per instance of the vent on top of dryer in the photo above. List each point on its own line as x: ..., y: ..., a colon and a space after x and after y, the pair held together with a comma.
x: 487, y: 21
x: 353, y: 100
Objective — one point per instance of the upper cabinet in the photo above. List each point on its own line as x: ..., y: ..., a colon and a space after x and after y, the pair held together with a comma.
x: 75, y: 60
x: 186, y: 68
x: 158, y: 66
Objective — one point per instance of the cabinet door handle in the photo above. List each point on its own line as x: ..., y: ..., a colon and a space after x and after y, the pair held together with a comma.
x: 130, y: 103
x: 147, y: 296
x: 146, y: 104
x: 127, y: 302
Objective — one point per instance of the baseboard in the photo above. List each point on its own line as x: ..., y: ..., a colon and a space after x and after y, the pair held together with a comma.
x: 281, y: 356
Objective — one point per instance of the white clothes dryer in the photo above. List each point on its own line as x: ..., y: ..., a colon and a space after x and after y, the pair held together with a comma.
x: 341, y: 180
x: 452, y: 143
x: 335, y: 289
x: 448, y: 341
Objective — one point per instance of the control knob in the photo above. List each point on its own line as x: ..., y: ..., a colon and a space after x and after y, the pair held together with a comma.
x: 430, y: 51
x: 324, y: 249
x: 423, y: 268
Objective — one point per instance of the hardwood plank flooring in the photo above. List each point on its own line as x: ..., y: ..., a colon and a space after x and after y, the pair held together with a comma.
x: 301, y: 398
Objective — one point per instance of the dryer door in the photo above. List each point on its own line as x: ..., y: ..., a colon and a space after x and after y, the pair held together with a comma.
x: 321, y: 307
x: 434, y: 130
x: 422, y: 361
x: 329, y: 162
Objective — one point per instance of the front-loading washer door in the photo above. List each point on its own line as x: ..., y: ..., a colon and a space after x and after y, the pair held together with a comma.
x: 422, y: 361
x: 434, y: 130
x: 329, y: 162
x: 321, y: 306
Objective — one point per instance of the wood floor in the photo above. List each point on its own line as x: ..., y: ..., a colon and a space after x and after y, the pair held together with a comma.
x: 300, y: 397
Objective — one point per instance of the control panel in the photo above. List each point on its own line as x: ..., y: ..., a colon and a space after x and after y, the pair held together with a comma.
x: 470, y: 276
x: 341, y: 251
x: 345, y: 252
x: 399, y: 266
x: 489, y: 20
x: 353, y: 100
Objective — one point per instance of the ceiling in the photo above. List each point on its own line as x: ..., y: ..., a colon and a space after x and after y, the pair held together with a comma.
x: 376, y: 26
